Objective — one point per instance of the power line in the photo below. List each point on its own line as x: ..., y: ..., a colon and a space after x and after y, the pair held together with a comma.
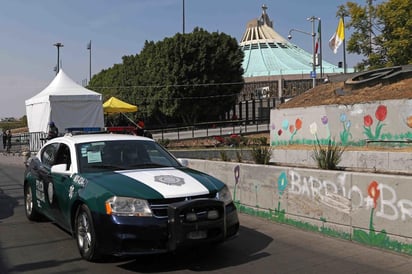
x: 168, y: 86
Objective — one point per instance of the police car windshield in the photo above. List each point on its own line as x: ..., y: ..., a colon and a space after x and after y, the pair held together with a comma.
x: 121, y: 155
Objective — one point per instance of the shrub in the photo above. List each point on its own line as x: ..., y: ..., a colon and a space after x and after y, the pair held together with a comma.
x: 239, y: 156
x: 327, y: 157
x: 223, y: 156
x: 261, y: 154
x: 164, y: 142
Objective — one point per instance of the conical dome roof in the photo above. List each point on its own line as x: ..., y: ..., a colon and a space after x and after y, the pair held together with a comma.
x: 267, y: 53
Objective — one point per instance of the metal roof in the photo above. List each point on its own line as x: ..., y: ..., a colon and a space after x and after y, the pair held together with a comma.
x: 267, y: 53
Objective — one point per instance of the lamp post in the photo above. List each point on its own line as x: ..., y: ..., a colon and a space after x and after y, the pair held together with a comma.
x: 183, y: 16
x: 313, y: 34
x: 58, y: 46
x: 89, y: 47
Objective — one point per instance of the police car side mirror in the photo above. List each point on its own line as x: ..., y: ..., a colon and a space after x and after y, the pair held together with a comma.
x: 61, y: 169
x: 183, y: 162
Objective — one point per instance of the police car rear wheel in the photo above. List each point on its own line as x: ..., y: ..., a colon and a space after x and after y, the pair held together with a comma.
x: 31, y: 211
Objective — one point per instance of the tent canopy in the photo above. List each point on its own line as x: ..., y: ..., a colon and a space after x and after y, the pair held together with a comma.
x: 66, y: 103
x: 114, y: 105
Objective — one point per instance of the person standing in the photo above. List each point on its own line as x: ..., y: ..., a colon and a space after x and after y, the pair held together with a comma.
x: 53, y: 131
x: 4, y: 139
x: 8, y: 140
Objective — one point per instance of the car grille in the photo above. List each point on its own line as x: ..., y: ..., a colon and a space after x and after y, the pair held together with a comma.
x: 159, y: 207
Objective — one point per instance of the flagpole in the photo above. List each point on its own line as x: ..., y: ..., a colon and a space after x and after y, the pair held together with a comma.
x: 344, y: 45
x: 320, y: 48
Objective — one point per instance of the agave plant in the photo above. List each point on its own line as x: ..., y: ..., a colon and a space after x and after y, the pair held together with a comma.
x: 328, y: 157
x: 261, y: 154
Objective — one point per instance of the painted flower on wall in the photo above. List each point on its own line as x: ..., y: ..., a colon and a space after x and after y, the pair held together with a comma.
x: 285, y: 124
x: 294, y: 128
x: 367, y: 120
x: 380, y: 115
x: 313, y: 128
x: 372, y: 237
x: 236, y: 173
x: 345, y: 134
x: 374, y: 192
x: 282, y: 182
x: 409, y: 121
x: 325, y: 122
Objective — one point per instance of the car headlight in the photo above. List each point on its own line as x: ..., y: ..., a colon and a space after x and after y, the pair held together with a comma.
x: 126, y: 206
x: 224, y: 195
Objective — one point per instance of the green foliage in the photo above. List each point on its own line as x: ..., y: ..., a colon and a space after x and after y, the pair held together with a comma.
x: 22, y: 122
x: 164, y: 142
x: 261, y: 154
x: 186, y: 78
x: 223, y: 156
x: 381, y: 33
x: 327, y: 157
x: 239, y: 156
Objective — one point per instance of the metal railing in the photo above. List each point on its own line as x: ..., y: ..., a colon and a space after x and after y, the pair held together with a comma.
x: 211, y: 129
x: 33, y: 141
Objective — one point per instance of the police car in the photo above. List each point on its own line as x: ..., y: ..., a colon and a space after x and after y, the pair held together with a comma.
x: 125, y: 195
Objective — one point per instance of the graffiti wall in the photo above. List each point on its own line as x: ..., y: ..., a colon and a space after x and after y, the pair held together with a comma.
x: 389, y: 120
x: 368, y: 208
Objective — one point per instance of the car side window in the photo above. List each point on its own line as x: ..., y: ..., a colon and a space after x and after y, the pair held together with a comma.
x: 48, y: 154
x: 63, y: 156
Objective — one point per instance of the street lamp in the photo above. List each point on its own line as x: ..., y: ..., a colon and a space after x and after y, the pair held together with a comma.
x: 313, y: 34
x: 58, y: 46
x: 183, y: 16
x: 89, y: 47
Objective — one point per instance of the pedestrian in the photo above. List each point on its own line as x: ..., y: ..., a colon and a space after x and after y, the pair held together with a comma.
x: 8, y: 140
x: 53, y: 131
x: 4, y: 139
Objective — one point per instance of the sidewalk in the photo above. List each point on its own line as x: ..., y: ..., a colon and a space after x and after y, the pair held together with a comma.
x: 13, y: 157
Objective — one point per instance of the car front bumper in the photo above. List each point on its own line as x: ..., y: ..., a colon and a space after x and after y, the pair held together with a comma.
x: 121, y: 235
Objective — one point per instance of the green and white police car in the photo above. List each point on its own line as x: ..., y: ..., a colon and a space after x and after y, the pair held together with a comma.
x: 125, y: 195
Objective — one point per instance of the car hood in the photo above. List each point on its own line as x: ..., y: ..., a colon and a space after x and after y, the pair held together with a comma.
x: 157, y: 183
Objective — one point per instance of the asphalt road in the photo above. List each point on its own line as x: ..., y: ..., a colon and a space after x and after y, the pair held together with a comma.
x: 262, y: 247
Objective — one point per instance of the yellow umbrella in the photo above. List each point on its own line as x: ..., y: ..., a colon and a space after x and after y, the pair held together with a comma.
x: 114, y: 105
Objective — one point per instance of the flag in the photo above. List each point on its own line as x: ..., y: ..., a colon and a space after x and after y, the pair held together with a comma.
x: 338, y: 37
x: 318, y: 39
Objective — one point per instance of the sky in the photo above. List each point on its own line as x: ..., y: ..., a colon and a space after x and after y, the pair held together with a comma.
x: 29, y: 30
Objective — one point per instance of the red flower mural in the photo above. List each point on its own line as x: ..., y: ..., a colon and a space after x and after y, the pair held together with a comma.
x: 292, y: 128
x: 280, y: 132
x: 381, y: 112
x: 298, y: 124
x: 367, y: 120
x: 374, y: 192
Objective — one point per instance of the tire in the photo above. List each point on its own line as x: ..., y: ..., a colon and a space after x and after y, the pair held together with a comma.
x: 85, y: 234
x: 31, y: 212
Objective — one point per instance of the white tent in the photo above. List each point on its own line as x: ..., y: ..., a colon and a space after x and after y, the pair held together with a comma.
x: 65, y: 103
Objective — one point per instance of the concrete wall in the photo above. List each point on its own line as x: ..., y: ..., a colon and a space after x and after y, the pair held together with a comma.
x: 371, y: 161
x: 389, y: 120
x: 369, y: 208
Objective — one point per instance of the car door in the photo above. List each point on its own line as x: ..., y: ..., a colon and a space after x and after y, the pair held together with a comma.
x: 44, y: 186
x: 59, y: 187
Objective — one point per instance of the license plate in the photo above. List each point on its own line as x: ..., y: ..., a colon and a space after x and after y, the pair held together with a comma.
x: 197, y: 235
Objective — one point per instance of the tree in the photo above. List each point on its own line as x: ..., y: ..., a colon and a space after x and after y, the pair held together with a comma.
x: 187, y: 78
x: 193, y: 77
x: 381, y: 33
